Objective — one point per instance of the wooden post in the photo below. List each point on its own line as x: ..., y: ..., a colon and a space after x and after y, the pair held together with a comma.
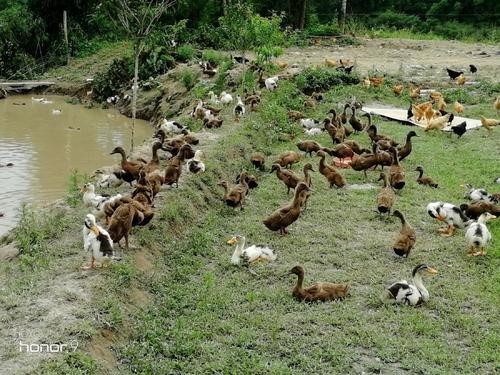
x: 342, y: 19
x: 65, y: 26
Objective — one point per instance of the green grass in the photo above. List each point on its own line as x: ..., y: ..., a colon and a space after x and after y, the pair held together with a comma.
x: 210, y: 317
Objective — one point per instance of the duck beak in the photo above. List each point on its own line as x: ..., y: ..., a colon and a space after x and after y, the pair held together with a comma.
x: 432, y: 270
x: 232, y: 241
x: 95, y: 230
x: 440, y: 218
x: 82, y: 189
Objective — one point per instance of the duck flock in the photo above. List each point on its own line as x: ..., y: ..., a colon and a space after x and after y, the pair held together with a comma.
x: 111, y: 218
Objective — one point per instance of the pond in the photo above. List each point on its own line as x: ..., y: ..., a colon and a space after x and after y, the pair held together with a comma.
x: 46, y: 141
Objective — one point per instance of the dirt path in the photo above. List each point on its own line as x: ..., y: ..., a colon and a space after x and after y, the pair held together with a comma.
x: 418, y: 60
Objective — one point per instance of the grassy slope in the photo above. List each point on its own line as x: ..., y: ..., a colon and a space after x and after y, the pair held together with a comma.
x: 212, y: 317
x: 208, y: 316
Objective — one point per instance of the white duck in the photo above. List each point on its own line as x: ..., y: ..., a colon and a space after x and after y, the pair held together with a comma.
x: 271, y: 83
x: 239, y: 109
x: 46, y: 101
x: 309, y: 123
x: 195, y: 165
x: 478, y: 195
x: 56, y: 111
x: 172, y: 127
x: 250, y: 254
x: 313, y: 131
x: 478, y: 235
x: 225, y: 98
x: 96, y: 201
x: 213, y: 98
x: 96, y: 241
x: 108, y: 180
x: 450, y: 214
x: 497, y: 180
x: 411, y: 294
x: 38, y: 100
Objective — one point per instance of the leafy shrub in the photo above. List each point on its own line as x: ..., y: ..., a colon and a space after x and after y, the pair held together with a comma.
x: 112, y: 81
x: 397, y: 20
x: 220, y: 80
x: 322, y: 79
x: 155, y: 61
x: 214, y: 57
x: 186, y: 52
x: 187, y: 78
x: 318, y: 29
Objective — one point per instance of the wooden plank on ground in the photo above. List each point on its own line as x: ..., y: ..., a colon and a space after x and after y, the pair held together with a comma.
x: 398, y: 114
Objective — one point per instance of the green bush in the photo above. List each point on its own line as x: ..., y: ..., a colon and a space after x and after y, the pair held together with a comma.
x: 214, y: 57
x: 187, y: 78
x: 398, y: 20
x: 113, y: 80
x: 322, y: 79
x: 186, y: 53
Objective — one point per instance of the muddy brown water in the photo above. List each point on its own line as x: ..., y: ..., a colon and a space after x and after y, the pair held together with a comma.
x: 45, y: 147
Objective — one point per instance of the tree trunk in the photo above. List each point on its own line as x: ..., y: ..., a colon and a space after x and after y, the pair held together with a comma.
x: 342, y: 17
x: 302, y: 15
x: 297, y: 13
x: 135, y: 87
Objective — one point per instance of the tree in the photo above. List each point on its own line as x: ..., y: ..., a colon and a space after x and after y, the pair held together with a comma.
x: 342, y: 17
x: 138, y: 19
x: 243, y: 30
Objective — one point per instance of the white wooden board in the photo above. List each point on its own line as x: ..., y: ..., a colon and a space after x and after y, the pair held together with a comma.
x: 401, y: 114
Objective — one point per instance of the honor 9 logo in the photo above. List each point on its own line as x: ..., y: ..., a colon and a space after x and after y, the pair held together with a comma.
x: 27, y: 345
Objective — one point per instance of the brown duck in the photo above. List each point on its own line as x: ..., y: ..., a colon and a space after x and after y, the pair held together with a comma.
x: 405, y: 150
x: 280, y: 219
x: 258, y: 160
x: 355, y: 123
x: 154, y: 163
x: 386, y: 196
x: 396, y: 172
x: 320, y: 291
x: 130, y: 167
x: 406, y: 238
x: 121, y: 222
x: 475, y: 210
x: 289, y: 178
x: 309, y: 147
x: 331, y: 174
x: 287, y: 159
x: 234, y: 196
x: 424, y: 180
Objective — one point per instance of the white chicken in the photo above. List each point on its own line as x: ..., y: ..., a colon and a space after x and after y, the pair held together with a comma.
x: 478, y: 235
x: 271, y: 83
x: 225, y: 98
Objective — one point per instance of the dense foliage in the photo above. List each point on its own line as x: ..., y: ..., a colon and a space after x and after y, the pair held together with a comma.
x: 31, y: 33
